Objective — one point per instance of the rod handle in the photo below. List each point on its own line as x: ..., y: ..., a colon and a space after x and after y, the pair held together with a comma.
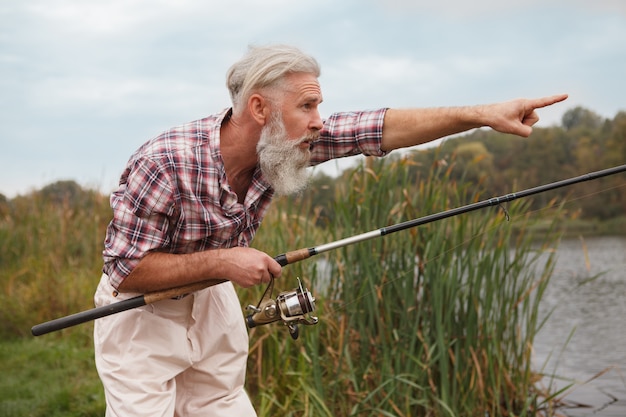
x: 88, y: 315
x: 118, y: 307
x: 155, y: 296
x: 294, y: 256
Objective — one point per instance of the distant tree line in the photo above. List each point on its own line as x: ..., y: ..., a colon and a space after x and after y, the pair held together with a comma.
x: 64, y: 193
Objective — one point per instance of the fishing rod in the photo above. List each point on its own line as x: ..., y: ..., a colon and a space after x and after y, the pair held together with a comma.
x: 294, y: 307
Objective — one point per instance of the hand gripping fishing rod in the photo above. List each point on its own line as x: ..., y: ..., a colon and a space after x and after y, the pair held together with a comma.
x: 293, y: 307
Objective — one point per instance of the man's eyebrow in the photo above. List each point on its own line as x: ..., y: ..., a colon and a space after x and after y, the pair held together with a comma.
x: 312, y: 98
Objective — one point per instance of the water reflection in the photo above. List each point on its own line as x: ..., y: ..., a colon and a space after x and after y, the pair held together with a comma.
x: 596, y: 311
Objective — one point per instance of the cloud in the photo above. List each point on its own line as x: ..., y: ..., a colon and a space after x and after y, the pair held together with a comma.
x: 455, y: 8
x: 600, y: 5
x: 488, y: 8
x: 118, y: 18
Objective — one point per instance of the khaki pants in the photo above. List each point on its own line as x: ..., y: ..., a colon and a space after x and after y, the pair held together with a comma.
x: 174, y: 357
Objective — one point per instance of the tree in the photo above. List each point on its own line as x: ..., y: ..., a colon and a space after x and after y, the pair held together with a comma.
x: 579, y: 117
x: 616, y: 141
x: 4, y: 206
x: 475, y: 161
x: 60, y: 192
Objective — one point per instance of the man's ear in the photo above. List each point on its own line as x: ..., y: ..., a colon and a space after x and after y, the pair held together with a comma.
x: 259, y: 108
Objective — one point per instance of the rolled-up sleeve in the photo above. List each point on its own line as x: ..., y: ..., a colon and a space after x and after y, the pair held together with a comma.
x: 350, y: 133
x: 142, y: 210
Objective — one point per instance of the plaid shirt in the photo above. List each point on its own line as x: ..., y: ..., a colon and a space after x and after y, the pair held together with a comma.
x: 174, y: 196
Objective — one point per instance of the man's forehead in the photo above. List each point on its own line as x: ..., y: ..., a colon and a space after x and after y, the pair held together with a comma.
x: 303, y: 84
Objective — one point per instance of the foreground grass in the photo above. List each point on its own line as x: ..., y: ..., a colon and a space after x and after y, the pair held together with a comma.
x: 51, y: 376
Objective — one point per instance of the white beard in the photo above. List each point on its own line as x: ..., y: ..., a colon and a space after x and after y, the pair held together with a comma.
x: 283, y: 163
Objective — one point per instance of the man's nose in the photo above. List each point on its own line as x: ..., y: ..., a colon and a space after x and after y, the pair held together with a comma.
x: 316, y: 122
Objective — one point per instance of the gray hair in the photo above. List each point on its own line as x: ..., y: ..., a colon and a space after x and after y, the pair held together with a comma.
x: 266, y: 66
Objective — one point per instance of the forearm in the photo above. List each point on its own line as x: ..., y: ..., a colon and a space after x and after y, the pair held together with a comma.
x: 409, y: 127
x: 158, y: 271
x: 403, y: 128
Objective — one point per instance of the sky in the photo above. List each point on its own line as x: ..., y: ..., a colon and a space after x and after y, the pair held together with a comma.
x: 83, y: 83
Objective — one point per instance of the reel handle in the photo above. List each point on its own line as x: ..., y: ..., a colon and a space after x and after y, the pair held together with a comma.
x: 290, y: 307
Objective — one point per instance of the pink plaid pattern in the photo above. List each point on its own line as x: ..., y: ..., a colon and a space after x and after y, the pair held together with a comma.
x: 174, y: 197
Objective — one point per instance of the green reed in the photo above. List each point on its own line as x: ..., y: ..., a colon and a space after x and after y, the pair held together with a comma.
x: 434, y: 321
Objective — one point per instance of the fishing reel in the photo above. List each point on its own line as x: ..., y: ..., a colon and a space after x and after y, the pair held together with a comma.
x: 290, y: 307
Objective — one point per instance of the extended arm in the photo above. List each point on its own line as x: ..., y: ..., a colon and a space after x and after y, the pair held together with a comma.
x: 409, y: 127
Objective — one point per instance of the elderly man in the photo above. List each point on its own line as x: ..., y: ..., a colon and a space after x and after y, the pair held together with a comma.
x: 189, y: 203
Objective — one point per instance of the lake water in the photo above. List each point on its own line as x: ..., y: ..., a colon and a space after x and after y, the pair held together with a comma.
x: 596, y: 314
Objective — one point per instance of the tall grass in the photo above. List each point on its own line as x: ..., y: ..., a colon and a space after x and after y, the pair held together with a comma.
x: 434, y: 321
x: 50, y: 258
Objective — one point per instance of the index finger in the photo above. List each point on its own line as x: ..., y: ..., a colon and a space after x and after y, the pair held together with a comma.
x: 274, y: 267
x: 547, y: 101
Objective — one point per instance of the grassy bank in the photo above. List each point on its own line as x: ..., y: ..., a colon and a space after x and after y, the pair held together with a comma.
x: 49, y: 377
x: 434, y: 321
x: 573, y: 227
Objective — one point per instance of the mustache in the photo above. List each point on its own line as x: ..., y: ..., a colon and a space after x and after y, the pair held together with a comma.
x: 310, y: 138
